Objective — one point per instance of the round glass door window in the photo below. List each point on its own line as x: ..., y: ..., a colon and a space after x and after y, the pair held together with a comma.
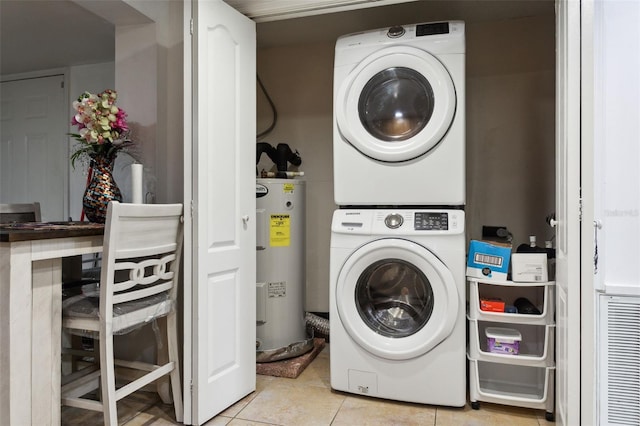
x: 394, y: 298
x: 396, y: 104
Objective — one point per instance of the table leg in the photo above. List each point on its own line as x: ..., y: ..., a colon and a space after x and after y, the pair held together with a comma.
x: 15, y: 332
x: 46, y: 341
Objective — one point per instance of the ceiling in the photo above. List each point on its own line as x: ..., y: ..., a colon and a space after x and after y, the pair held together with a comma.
x: 68, y: 34
x: 328, y: 27
x: 36, y: 35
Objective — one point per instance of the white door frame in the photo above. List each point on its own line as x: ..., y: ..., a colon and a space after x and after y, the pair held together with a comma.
x: 187, y: 250
x: 588, y: 377
x: 569, y: 287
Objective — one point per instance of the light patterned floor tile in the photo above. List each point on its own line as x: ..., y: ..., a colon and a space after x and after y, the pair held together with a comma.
x: 261, y: 383
x: 155, y: 416
x: 219, y: 420
x: 309, y: 401
x: 240, y: 422
x: 135, y: 405
x: 487, y: 415
x: 316, y: 374
x: 238, y: 406
x: 287, y: 404
x: 363, y: 411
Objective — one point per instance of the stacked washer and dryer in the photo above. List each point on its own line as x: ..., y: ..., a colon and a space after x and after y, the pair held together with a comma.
x: 397, y: 302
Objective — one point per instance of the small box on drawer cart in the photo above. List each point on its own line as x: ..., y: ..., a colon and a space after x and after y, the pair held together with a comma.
x: 492, y: 305
x: 488, y: 260
x: 529, y: 267
x: 503, y: 340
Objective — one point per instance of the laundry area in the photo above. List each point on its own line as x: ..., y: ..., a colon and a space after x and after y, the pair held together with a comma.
x: 487, y: 164
x: 510, y: 110
x: 376, y: 276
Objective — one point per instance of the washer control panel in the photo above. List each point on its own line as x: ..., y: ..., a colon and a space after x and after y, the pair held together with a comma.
x: 405, y: 222
x: 431, y: 221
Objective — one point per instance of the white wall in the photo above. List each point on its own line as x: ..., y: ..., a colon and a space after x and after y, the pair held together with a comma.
x: 136, y: 82
x: 511, y: 126
x: 150, y: 65
x: 617, y: 151
x: 300, y: 83
x: 510, y: 132
x: 611, y: 191
x: 149, y: 82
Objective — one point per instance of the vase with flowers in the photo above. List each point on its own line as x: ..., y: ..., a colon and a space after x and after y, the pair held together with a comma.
x: 102, y: 133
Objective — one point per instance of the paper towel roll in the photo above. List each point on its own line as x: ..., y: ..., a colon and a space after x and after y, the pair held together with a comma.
x: 136, y: 183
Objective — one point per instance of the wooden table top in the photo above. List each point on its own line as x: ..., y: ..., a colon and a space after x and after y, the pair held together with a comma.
x: 13, y: 232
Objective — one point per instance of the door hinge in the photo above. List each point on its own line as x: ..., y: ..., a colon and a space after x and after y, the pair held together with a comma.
x: 191, y: 26
x: 580, y: 209
x: 192, y: 208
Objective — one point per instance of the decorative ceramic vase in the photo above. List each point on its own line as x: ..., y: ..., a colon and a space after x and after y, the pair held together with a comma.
x: 101, y: 189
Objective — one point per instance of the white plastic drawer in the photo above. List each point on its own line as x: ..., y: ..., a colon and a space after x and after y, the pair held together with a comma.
x: 522, y: 386
x: 540, y: 294
x: 536, y: 347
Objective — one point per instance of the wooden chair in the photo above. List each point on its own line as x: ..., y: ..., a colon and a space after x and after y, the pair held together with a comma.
x: 138, y: 284
x: 26, y: 212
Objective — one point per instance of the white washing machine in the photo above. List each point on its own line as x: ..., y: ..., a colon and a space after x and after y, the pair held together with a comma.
x: 397, y: 305
x: 399, y: 116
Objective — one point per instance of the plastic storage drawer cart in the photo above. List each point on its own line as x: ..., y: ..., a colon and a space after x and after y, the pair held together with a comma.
x: 525, y: 379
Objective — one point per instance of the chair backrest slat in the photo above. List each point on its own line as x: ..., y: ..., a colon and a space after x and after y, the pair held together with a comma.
x: 145, y: 272
x: 20, y: 212
x: 142, y: 293
x: 140, y: 251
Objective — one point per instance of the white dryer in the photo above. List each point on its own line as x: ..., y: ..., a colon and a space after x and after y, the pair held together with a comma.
x: 399, y: 116
x: 397, y: 305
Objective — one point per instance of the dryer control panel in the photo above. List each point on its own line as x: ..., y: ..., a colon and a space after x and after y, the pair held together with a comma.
x: 432, y: 29
x: 405, y: 222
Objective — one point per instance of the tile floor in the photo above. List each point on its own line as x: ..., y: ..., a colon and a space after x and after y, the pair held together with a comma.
x: 309, y: 400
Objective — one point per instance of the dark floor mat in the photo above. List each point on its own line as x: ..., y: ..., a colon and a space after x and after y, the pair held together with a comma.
x: 291, y: 368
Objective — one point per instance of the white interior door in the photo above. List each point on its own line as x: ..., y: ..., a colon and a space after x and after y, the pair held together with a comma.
x: 568, y: 212
x: 223, y: 188
x: 34, y: 154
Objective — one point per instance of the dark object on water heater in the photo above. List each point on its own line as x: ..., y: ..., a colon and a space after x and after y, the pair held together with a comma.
x: 266, y: 148
x: 285, y: 155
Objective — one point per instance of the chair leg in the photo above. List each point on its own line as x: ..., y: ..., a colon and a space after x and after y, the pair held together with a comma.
x: 108, y: 380
x: 163, y: 384
x: 172, y: 347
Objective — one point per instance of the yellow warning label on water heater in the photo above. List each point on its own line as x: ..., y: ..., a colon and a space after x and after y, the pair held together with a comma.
x: 288, y: 188
x: 280, y: 230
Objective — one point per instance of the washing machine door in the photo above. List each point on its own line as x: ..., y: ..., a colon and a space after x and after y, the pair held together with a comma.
x: 396, y: 105
x: 396, y: 299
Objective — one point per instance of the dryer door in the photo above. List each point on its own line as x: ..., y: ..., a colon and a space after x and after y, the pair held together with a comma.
x: 396, y: 105
x: 396, y: 299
